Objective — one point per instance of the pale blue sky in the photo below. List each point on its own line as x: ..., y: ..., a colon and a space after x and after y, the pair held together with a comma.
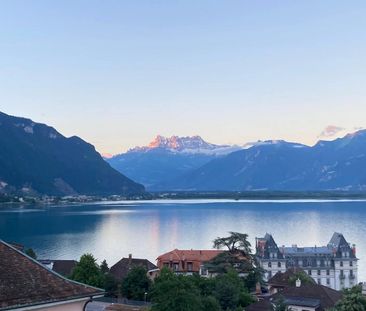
x: 117, y: 73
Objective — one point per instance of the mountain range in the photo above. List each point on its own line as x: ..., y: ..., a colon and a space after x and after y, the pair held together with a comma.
x: 166, y: 159
x: 36, y: 159
x: 191, y: 164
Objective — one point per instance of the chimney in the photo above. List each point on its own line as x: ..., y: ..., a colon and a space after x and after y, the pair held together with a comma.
x: 298, y: 283
x: 129, y: 259
x: 258, y: 289
x: 354, y: 249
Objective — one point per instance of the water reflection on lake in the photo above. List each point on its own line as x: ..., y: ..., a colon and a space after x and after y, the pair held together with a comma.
x: 111, y: 230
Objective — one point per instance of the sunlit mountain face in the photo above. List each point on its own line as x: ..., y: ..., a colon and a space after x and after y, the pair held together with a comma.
x: 192, y: 164
x: 188, y: 144
x: 166, y: 158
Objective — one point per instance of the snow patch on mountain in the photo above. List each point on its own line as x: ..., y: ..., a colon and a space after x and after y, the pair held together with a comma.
x: 187, y: 144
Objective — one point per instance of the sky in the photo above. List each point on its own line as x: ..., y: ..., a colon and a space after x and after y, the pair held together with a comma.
x: 118, y: 72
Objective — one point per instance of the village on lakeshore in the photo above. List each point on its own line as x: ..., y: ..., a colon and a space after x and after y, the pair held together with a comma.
x: 227, y: 277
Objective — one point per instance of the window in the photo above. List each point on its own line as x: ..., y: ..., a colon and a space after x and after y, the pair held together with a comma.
x: 270, y: 265
x: 166, y: 264
x: 319, y: 272
x: 341, y: 263
x: 309, y: 272
x: 279, y: 264
x: 351, y: 263
x: 328, y: 272
x: 319, y: 282
x: 175, y: 266
x: 342, y: 273
x: 269, y: 274
x: 351, y: 272
x: 189, y: 266
x: 328, y: 281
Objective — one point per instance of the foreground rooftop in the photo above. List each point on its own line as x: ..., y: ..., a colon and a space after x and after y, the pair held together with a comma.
x: 24, y: 282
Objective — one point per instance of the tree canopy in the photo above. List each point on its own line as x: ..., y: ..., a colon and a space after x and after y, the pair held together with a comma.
x: 352, y: 300
x: 136, y: 284
x: 179, y: 293
x: 88, y: 272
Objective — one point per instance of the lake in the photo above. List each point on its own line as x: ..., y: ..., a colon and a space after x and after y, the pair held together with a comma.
x: 146, y: 229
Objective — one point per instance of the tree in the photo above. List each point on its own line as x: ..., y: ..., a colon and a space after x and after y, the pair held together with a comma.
x: 110, y: 285
x: 230, y: 291
x: 238, y: 254
x: 175, y: 293
x: 136, y: 284
x: 88, y: 272
x: 31, y: 253
x: 104, y: 267
x: 352, y: 300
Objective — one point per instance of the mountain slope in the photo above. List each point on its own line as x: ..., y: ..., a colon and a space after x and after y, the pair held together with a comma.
x: 278, y: 165
x: 165, y: 159
x: 36, y: 158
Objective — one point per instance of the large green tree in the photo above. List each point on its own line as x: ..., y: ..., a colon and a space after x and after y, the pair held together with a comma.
x: 230, y: 291
x: 352, y: 300
x: 88, y: 272
x: 136, y: 284
x: 175, y: 293
x: 237, y: 255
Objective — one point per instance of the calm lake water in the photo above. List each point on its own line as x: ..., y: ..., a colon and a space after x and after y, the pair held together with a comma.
x: 112, y: 230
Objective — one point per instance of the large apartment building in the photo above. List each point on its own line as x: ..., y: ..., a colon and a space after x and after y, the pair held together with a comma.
x: 333, y: 265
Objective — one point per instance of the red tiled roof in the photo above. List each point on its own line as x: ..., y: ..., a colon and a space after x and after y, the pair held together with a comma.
x: 190, y: 255
x: 25, y: 282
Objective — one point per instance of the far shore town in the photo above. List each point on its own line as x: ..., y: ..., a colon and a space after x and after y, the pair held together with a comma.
x: 294, y: 277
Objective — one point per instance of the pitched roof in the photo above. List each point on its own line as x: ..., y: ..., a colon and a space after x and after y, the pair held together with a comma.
x: 61, y: 266
x: 122, y: 267
x: 283, y: 278
x: 328, y: 297
x: 190, y: 255
x: 26, y: 282
x: 307, y: 295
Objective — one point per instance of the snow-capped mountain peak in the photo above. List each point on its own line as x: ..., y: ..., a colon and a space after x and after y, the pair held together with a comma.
x: 186, y: 144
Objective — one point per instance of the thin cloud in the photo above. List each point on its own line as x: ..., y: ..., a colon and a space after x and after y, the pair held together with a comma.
x: 331, y: 131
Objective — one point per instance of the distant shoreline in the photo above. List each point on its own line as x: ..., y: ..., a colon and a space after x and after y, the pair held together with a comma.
x: 255, y: 196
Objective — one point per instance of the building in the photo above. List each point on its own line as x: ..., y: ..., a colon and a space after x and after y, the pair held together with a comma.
x: 282, y: 280
x: 122, y: 267
x: 334, y: 265
x: 63, y: 267
x: 187, y: 262
x: 301, y: 297
x: 26, y: 284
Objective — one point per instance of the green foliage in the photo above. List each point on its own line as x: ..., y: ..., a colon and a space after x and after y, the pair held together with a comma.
x: 230, y: 291
x: 352, y: 300
x: 177, y: 292
x: 238, y: 255
x: 88, y: 272
x: 104, y: 267
x: 210, y: 303
x: 136, y: 284
x: 110, y: 285
x: 303, y: 277
x: 31, y: 253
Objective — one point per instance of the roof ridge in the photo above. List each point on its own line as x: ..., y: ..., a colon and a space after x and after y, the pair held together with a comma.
x: 47, y: 269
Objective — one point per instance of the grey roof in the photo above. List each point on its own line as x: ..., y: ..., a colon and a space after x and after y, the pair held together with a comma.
x: 308, y: 250
x: 303, y: 302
